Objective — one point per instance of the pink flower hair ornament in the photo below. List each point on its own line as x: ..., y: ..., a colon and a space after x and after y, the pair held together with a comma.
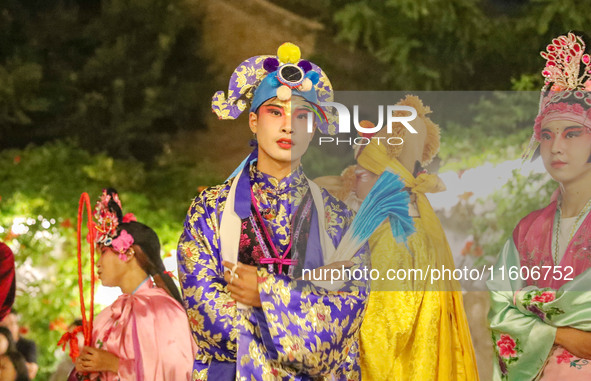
x: 129, y: 217
x: 107, y: 224
x: 122, y: 244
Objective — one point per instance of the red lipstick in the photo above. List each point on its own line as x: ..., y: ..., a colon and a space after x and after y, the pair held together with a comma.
x: 285, y: 143
x: 557, y: 164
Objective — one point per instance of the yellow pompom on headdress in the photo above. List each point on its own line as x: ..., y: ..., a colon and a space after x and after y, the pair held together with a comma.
x: 260, y: 78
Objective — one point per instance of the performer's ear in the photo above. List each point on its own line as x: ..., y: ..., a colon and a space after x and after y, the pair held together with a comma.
x: 252, y: 122
x: 131, y: 253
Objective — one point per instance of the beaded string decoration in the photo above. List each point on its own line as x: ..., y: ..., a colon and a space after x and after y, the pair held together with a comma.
x: 581, y: 214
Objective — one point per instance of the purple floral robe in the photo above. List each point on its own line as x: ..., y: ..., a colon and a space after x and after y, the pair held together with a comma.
x: 301, y: 332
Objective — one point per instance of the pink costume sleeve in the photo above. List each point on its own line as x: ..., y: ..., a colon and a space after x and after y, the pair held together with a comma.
x: 149, y: 332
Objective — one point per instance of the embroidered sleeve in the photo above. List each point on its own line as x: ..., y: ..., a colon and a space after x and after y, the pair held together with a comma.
x: 338, y: 217
x: 521, y: 341
x: 210, y: 308
x: 312, y: 329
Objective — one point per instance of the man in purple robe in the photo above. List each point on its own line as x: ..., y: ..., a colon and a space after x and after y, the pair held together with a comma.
x: 247, y: 242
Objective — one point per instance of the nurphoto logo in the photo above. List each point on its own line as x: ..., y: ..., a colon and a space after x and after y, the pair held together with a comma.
x: 344, y: 125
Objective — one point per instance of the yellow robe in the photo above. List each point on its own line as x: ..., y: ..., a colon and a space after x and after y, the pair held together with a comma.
x: 413, y: 330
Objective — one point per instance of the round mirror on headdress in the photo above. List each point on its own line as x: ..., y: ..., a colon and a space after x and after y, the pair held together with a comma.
x: 261, y: 78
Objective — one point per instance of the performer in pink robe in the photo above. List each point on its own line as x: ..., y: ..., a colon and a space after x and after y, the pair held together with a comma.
x: 540, y: 314
x: 144, y: 335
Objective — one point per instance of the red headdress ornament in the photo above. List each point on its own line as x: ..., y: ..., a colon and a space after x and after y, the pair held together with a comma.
x: 107, y: 232
x: 566, y: 93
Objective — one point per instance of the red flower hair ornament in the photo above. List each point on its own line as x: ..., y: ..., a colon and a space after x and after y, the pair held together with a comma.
x: 107, y: 223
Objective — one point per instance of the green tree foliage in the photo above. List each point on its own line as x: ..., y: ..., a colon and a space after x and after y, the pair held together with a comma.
x: 457, y: 44
x: 118, y: 76
x: 39, y: 192
x: 425, y: 42
x: 506, y: 207
x: 495, y: 126
x: 465, y: 45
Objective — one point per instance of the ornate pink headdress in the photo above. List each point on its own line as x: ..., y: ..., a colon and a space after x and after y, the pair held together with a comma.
x: 107, y: 233
x: 566, y: 94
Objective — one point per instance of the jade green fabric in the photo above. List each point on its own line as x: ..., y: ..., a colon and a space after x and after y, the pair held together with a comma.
x: 523, y: 319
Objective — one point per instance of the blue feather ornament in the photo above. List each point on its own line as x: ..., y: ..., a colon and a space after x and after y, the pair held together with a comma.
x: 386, y: 200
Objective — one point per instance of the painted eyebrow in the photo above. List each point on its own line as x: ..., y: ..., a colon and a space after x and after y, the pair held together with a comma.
x: 274, y: 105
x: 573, y: 127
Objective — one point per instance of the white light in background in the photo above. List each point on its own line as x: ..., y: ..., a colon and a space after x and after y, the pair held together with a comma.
x: 18, y: 226
x: 106, y: 295
x: 482, y: 181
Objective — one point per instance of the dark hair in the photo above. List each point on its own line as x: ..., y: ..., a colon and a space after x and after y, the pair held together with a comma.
x: 149, y: 258
x: 20, y: 365
x: 76, y: 323
x: 11, y: 344
x: 113, y: 206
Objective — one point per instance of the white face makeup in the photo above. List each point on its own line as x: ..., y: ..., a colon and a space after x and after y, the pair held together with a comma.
x: 565, y: 148
x: 281, y: 130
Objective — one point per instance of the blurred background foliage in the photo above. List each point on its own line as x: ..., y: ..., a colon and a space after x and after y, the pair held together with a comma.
x: 39, y: 194
x: 115, y: 76
x: 94, y: 93
x: 505, y: 208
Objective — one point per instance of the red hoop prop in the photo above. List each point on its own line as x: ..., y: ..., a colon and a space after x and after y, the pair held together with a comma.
x: 87, y: 324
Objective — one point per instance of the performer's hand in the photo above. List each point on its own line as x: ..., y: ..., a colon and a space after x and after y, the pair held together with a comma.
x: 575, y: 341
x: 243, y: 284
x: 97, y: 360
x: 32, y: 369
